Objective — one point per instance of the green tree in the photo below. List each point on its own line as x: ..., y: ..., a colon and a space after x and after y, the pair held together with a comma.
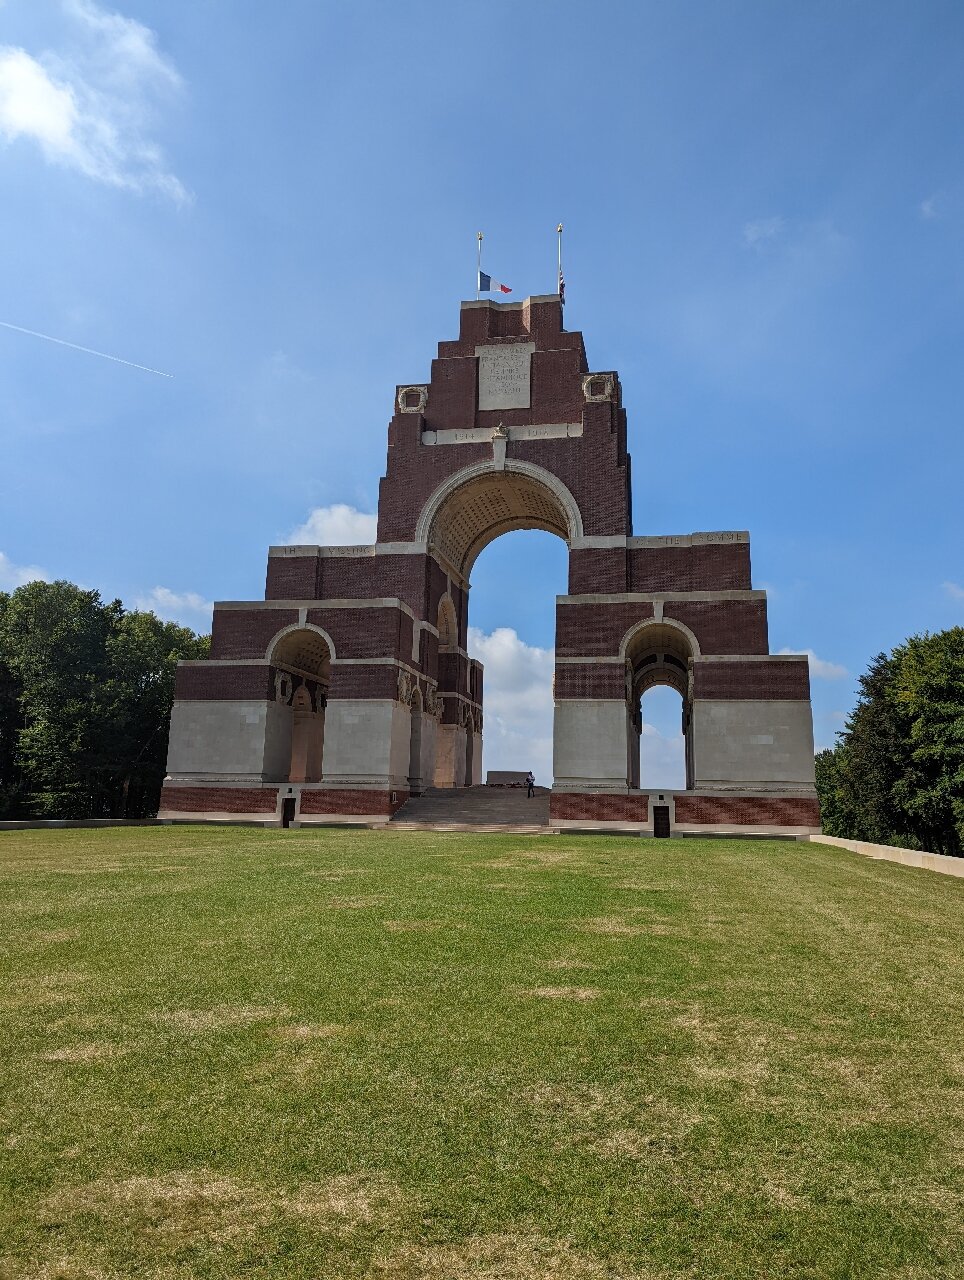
x: 143, y: 653
x: 93, y: 685
x: 896, y: 774
x: 927, y: 694
x: 11, y: 722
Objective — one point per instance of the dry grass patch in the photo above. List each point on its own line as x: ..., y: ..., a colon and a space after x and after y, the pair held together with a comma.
x: 738, y: 1054
x: 565, y: 993
x: 357, y: 902
x: 497, y: 1257
x: 303, y: 1032
x: 348, y: 1201
x: 337, y: 874
x: 188, y: 1207
x: 174, y: 1209
x: 608, y: 1123
x: 412, y: 926
x: 57, y: 1269
x: 50, y: 936
x: 613, y: 926
x: 222, y: 1017
x: 66, y: 987
x: 91, y: 1052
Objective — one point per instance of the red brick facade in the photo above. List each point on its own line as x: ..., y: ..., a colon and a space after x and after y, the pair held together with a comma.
x: 749, y: 811
x: 778, y: 679
x: 351, y: 801
x: 565, y: 806
x: 220, y: 799
x: 456, y: 476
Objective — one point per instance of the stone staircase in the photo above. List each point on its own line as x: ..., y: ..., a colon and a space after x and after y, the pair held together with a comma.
x: 475, y: 809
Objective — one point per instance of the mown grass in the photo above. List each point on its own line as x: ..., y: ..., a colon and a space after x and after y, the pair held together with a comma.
x: 409, y: 1056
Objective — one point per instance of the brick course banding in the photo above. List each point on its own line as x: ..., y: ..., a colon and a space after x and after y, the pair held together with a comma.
x: 749, y: 811
x: 348, y: 801
x: 213, y: 682
x: 247, y: 633
x: 590, y: 680
x: 219, y: 799
x: 293, y: 578
x: 723, y: 626
x: 596, y: 630
x: 712, y: 567
x: 569, y: 806
x: 778, y: 680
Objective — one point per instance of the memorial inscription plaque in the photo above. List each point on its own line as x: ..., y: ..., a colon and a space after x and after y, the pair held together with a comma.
x: 504, y: 375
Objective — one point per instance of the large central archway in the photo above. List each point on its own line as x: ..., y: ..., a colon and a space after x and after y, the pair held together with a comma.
x: 465, y: 515
x: 477, y: 504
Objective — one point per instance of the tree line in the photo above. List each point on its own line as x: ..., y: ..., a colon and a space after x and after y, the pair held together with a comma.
x: 896, y: 774
x: 86, y: 689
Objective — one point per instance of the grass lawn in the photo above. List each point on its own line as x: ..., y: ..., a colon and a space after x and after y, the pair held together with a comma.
x: 416, y: 1056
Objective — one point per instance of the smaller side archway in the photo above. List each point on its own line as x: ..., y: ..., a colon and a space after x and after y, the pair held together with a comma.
x: 448, y: 625
x: 300, y: 661
x: 658, y: 653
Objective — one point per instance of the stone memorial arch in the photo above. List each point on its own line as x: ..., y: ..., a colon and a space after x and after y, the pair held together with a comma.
x: 349, y: 687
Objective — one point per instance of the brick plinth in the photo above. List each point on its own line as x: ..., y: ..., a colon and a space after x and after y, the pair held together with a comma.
x: 568, y: 806
x: 219, y: 799
x: 749, y: 811
x: 337, y: 800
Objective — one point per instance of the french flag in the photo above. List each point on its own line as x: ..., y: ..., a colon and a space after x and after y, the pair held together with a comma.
x: 488, y: 285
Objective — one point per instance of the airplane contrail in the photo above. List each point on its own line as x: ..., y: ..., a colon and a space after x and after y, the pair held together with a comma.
x: 89, y: 350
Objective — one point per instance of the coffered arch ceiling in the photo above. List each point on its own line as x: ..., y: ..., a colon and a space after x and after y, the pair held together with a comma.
x: 304, y: 651
x: 658, y: 654
x: 463, y: 519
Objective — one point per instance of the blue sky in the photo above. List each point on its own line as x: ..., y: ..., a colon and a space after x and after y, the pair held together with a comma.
x: 278, y: 204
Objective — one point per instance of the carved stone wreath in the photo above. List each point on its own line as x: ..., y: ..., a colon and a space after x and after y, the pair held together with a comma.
x: 418, y: 394
x: 404, y: 688
x: 598, y: 386
x: 284, y: 687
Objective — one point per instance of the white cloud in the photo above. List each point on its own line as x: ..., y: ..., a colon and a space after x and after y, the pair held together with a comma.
x: 818, y: 666
x: 662, y: 759
x: 757, y: 233
x: 186, y: 607
x: 517, y: 702
x: 91, y: 107
x: 15, y: 575
x: 336, y: 526
x: 954, y: 591
x: 929, y: 208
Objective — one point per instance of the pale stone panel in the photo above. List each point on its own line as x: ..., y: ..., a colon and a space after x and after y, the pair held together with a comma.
x: 279, y: 723
x: 429, y: 735
x: 449, y: 748
x: 476, y: 779
x: 504, y: 373
x: 750, y: 742
x: 367, y: 741
x: 237, y: 737
x: 590, y: 747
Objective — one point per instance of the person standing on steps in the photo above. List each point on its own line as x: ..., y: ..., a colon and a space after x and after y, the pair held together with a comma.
x: 530, y: 784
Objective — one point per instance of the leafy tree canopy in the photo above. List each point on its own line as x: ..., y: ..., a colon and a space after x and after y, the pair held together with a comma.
x: 86, y: 690
x: 896, y: 775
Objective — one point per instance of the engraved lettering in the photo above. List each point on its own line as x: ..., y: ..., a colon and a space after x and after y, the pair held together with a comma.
x: 504, y: 376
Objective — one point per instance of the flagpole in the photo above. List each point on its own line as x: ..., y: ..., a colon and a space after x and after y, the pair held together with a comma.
x: 559, y: 276
x: 478, y: 274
